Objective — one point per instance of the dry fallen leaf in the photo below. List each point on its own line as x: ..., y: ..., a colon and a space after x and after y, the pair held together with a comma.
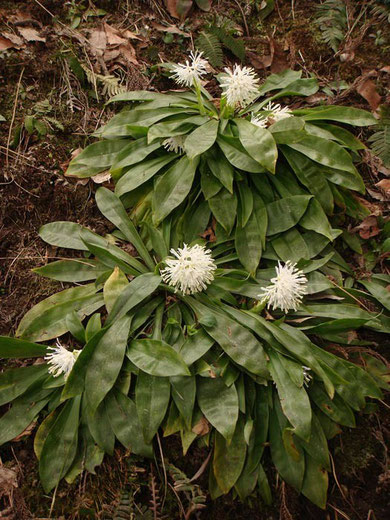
x: 384, y: 185
x: 101, y: 177
x: 367, y: 89
x: 113, y: 36
x: 8, y: 481
x: 170, y: 29
x: 178, y: 8
x: 201, y: 427
x: 98, y: 41
x: 31, y: 35
x: 25, y: 433
x: 5, y: 44
x: 13, y: 41
x: 369, y: 227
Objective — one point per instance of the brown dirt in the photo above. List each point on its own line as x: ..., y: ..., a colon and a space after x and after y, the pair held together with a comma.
x: 33, y: 191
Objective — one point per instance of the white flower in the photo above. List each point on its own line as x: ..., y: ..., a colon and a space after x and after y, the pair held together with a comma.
x: 277, y: 112
x: 174, y: 144
x: 306, y: 376
x: 61, y: 360
x: 286, y: 289
x: 191, y: 270
x: 189, y: 73
x: 240, y: 86
x: 260, y: 121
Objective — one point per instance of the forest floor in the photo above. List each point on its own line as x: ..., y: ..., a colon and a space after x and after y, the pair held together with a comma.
x: 41, y: 79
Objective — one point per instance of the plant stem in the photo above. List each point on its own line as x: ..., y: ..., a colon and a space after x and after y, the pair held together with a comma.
x: 199, y: 98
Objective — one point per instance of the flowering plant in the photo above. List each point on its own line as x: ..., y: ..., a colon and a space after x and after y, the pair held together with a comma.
x: 185, y: 346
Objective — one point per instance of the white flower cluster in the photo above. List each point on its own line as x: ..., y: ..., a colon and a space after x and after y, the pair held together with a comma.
x: 192, y: 269
x: 61, y: 360
x: 286, y: 289
x: 174, y: 144
x: 274, y: 112
x: 240, y: 86
x: 188, y: 74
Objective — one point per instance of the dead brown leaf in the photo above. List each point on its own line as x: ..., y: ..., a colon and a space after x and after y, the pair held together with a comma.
x: 5, y: 44
x: 30, y: 34
x: 367, y: 89
x: 128, y: 52
x: 384, y: 185
x: 101, y: 177
x: 8, y: 481
x: 113, y: 35
x: 170, y: 29
x: 201, y: 427
x: 98, y: 41
x: 178, y: 8
x: 369, y: 227
x: 15, y: 40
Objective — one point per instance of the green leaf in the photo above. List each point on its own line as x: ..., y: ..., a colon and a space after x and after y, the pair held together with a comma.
x: 112, y: 208
x: 315, y: 482
x: 173, y: 187
x: 63, y: 234
x: 210, y: 45
x: 113, y: 286
x: 236, y: 154
x: 294, y: 400
x: 133, y: 294
x: 72, y: 270
x: 288, y: 130
x: 279, y: 80
x: 15, y: 381
x: 123, y: 124
x: 196, y: 346
x: 238, y: 343
x: 75, y: 326
x: 259, y: 143
x: 291, y: 469
x: 285, y: 213
x: 140, y: 173
x: 221, y: 168
x: 325, y: 152
x: 60, y: 446
x: 201, y: 139
x: 47, y: 319
x: 183, y: 394
x: 124, y: 421
x: 151, y: 398
x: 99, y: 427
x: 103, y: 369
x: 133, y: 153
x: 379, y: 292
x: 75, y: 382
x: 219, y: 403
x: 249, y: 239
x: 290, y: 245
x: 95, y: 158
x: 156, y: 358
x: 347, y: 115
x: 19, y: 348
x: 229, y: 458
x: 316, y: 220
x: 334, y: 408
x: 311, y: 176
x: 224, y: 207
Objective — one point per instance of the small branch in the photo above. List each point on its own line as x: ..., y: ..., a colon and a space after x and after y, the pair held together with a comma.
x: 13, y: 118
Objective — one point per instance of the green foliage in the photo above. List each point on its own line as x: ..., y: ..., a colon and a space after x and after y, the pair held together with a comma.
x: 380, y: 139
x: 211, y: 46
x: 208, y: 365
x: 332, y: 21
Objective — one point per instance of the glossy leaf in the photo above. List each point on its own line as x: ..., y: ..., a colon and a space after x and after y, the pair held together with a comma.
x: 201, y: 139
x: 156, y: 358
x: 259, y: 143
x: 219, y: 404
x: 151, y: 398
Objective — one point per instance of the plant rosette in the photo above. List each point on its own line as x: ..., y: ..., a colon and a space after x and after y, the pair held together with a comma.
x: 188, y: 341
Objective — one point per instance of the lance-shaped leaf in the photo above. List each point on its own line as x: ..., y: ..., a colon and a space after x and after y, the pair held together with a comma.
x: 106, y: 362
x: 201, y: 139
x: 60, y: 446
x: 219, y: 403
x: 259, y: 143
x: 47, y: 319
x: 157, y: 358
x: 151, y: 398
x: 19, y: 348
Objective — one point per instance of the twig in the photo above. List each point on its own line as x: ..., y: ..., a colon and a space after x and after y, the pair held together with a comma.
x: 13, y: 117
x: 243, y: 17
